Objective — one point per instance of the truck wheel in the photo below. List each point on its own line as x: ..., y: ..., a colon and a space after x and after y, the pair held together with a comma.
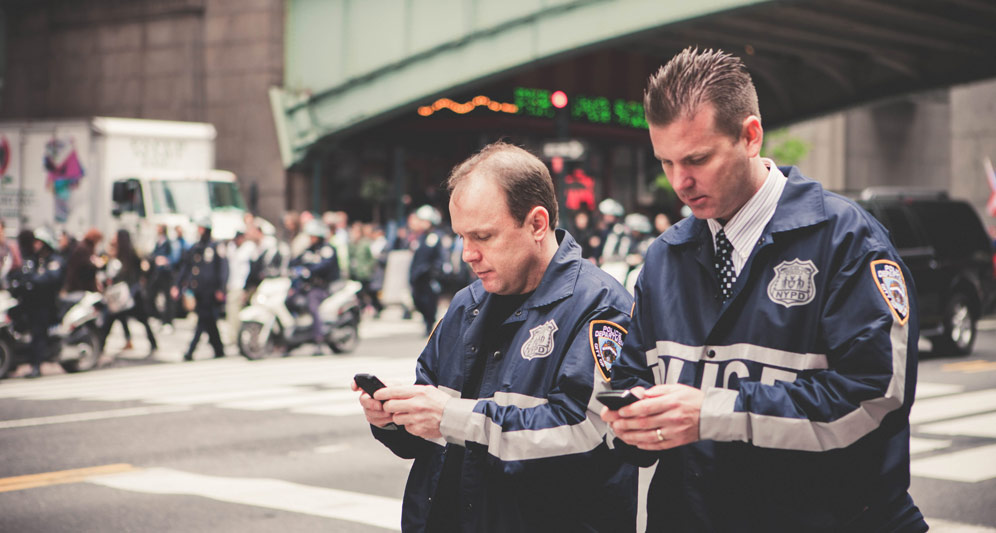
x: 960, y: 327
x: 88, y: 350
x: 6, y: 355
x: 250, y: 345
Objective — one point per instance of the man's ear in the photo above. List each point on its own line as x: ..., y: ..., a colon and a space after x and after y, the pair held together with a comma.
x: 538, y: 220
x: 753, y: 135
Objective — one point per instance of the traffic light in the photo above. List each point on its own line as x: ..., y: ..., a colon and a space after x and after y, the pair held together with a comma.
x: 561, y: 114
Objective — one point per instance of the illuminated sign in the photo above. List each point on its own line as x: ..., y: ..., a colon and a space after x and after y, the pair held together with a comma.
x: 540, y: 103
x: 462, y: 109
x: 593, y: 109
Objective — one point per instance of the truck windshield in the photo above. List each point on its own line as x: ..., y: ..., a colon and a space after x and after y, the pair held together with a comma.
x: 225, y: 194
x: 192, y: 198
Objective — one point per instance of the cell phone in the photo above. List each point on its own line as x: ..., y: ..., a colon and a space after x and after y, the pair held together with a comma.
x: 369, y: 383
x: 616, y: 399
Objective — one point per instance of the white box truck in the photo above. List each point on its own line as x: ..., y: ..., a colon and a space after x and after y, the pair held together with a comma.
x: 113, y: 173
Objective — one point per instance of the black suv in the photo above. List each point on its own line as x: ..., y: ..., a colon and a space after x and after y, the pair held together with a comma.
x: 946, y: 247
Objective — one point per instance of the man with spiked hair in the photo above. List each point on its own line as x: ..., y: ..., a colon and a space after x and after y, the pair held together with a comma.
x: 774, y: 333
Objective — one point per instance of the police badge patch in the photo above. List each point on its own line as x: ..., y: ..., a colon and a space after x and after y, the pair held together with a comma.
x: 540, y: 341
x: 889, y: 279
x: 793, y: 283
x: 606, y: 339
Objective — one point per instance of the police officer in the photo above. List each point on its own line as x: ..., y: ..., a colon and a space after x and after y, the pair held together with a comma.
x: 313, y: 270
x: 427, y: 264
x: 204, y: 271
x: 36, y: 286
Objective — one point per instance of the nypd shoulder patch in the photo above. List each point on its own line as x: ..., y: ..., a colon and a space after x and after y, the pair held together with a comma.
x: 892, y: 285
x: 606, y: 339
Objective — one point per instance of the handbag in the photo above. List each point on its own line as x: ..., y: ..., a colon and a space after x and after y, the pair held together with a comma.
x: 118, y: 297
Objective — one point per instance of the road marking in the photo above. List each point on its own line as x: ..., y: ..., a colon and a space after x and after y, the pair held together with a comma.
x: 970, y: 367
x: 63, y: 476
x: 969, y: 466
x: 92, y: 415
x: 947, y: 526
x: 946, y: 407
x: 921, y: 445
x: 929, y: 390
x: 973, y: 426
x: 269, y: 493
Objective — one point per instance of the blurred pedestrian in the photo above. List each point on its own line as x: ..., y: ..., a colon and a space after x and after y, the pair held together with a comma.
x: 363, y: 265
x: 241, y: 252
x: 202, y: 278
x: 36, y: 286
x: 427, y: 264
x: 125, y: 268
x: 10, y: 254
x: 312, y: 272
x: 162, y: 271
x: 83, y: 264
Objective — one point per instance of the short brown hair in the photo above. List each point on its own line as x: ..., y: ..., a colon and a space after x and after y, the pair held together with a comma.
x: 520, y: 174
x: 694, y: 77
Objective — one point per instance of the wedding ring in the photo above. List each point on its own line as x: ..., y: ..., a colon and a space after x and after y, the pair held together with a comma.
x: 660, y: 435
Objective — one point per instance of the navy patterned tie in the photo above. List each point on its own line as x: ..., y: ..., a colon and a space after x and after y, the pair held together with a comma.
x: 723, y: 262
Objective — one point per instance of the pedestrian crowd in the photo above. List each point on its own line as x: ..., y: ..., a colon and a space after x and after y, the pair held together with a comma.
x: 214, y: 279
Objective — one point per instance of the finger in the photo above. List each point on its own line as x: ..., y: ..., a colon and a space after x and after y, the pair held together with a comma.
x: 394, y: 392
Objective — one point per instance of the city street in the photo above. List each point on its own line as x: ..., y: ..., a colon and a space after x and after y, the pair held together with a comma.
x: 233, y: 445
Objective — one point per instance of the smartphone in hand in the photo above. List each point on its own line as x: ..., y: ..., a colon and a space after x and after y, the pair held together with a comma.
x: 616, y: 399
x: 369, y: 383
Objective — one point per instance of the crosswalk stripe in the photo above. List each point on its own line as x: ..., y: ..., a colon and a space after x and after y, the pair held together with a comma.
x: 969, y: 466
x: 926, y: 390
x: 269, y: 493
x: 973, y: 426
x: 949, y: 526
x: 88, y: 416
x: 946, y: 407
x: 921, y: 445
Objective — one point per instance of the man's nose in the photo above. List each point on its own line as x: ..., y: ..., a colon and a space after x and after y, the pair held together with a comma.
x: 470, y: 254
x: 681, y: 178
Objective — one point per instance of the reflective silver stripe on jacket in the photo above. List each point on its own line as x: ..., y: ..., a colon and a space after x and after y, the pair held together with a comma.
x: 719, y: 422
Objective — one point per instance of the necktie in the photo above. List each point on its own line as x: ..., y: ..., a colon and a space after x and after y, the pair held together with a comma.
x: 723, y: 262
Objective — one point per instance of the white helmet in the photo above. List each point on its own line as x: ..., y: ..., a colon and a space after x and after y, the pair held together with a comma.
x: 203, y: 220
x: 315, y: 228
x: 45, y: 235
x: 429, y: 214
x: 637, y: 222
x: 609, y: 206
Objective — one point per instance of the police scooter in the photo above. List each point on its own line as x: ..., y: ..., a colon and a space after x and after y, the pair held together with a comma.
x: 74, y: 342
x: 269, y: 327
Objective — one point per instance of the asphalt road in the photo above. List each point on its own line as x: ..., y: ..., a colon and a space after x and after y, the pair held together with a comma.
x: 230, y: 445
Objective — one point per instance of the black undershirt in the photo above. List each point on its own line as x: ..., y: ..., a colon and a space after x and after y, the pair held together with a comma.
x: 444, y: 514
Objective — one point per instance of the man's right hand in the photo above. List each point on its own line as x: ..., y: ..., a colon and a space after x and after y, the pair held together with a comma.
x: 373, y: 409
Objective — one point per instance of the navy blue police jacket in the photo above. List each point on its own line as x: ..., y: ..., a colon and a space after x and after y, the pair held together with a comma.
x: 427, y: 257
x: 535, y: 457
x: 318, y: 266
x: 204, y: 270
x: 809, y: 373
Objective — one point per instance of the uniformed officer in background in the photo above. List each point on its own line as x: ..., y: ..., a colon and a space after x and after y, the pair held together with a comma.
x: 204, y: 272
x: 313, y: 270
x: 36, y: 286
x: 427, y: 264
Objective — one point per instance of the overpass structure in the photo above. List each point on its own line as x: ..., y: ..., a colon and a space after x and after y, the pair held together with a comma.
x: 353, y: 65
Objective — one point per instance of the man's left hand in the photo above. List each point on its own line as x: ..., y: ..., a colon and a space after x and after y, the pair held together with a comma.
x: 666, y: 417
x: 417, y: 407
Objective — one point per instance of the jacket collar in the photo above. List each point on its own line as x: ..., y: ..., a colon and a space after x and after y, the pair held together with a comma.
x: 558, y: 281
x: 800, y: 205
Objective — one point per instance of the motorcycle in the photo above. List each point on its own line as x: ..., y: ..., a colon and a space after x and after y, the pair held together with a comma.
x: 74, y: 341
x: 268, y: 326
